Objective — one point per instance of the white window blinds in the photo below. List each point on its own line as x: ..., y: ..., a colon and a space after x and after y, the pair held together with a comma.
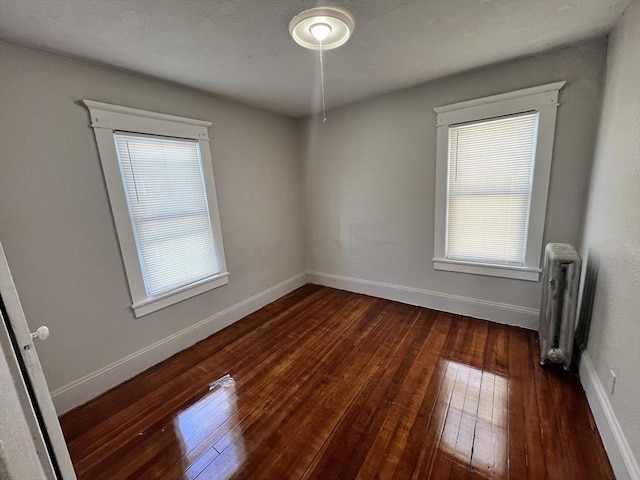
x: 489, y: 189
x: 167, y: 201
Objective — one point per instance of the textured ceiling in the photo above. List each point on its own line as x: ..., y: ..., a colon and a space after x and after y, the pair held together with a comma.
x: 241, y: 49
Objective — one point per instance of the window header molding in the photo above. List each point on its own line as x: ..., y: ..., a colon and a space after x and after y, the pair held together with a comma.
x: 116, y: 117
x: 534, y: 98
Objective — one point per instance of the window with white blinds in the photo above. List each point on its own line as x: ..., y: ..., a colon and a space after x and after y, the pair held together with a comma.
x: 493, y: 165
x: 489, y: 189
x: 159, y: 176
x: 167, y: 200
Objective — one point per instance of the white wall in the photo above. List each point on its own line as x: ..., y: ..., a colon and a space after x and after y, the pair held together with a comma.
x: 612, y: 242
x: 58, y: 232
x: 369, y: 185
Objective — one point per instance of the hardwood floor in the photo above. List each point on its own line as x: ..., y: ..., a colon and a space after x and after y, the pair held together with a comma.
x: 331, y: 384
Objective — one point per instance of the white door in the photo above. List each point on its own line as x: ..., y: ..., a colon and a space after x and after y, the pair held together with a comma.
x: 34, y: 447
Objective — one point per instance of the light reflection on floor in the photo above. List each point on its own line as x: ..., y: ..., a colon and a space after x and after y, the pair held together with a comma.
x: 196, y: 429
x: 475, y: 427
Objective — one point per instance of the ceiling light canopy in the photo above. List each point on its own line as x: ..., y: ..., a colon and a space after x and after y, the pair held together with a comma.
x: 322, y: 28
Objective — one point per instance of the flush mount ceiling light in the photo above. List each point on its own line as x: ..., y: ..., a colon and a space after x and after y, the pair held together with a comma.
x: 322, y: 28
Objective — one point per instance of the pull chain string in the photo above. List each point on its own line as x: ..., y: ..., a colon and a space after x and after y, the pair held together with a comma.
x: 324, y: 112
x: 133, y: 173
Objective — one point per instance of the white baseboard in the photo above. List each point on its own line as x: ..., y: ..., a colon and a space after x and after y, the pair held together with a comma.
x: 472, y: 307
x: 620, y: 455
x: 90, y: 386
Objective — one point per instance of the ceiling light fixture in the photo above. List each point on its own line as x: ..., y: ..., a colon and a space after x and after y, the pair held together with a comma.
x: 322, y: 28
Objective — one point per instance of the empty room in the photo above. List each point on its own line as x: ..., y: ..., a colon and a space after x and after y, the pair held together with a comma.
x: 251, y: 239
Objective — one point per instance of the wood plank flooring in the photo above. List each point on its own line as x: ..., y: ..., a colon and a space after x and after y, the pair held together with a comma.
x: 335, y: 385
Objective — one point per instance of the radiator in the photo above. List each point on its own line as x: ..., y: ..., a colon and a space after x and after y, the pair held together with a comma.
x: 559, y: 303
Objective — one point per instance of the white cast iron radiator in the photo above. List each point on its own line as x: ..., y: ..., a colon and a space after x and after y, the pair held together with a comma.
x: 561, y: 279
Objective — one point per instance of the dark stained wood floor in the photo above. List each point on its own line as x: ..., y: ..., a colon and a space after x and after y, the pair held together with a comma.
x: 331, y: 384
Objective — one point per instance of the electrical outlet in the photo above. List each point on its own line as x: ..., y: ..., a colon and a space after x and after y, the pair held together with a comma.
x: 612, y: 381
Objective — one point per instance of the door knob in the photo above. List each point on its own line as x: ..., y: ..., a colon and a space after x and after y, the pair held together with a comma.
x: 42, y: 333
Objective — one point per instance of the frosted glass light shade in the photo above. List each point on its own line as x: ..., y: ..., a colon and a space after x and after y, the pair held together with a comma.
x: 320, y: 31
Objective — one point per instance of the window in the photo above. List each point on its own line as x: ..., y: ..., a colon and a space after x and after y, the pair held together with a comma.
x: 159, y: 178
x: 492, y: 177
x: 489, y: 188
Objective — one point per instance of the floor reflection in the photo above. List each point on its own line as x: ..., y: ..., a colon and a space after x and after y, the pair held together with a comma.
x: 475, y: 426
x: 198, y: 428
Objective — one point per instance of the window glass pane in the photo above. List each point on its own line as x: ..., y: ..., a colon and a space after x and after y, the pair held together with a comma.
x: 489, y: 189
x: 167, y: 200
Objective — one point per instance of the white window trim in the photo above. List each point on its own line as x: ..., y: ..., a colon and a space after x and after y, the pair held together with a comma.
x: 543, y: 99
x: 105, y: 119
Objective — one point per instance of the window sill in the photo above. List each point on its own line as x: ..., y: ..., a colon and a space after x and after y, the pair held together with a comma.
x: 505, y: 271
x: 153, y: 304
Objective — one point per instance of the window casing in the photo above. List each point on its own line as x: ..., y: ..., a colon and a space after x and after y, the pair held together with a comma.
x: 492, y: 177
x: 161, y: 189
